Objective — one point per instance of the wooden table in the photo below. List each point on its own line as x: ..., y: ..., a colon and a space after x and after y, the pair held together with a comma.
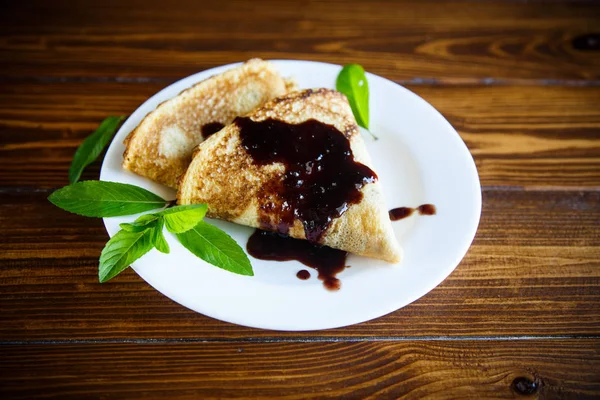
x: 520, y: 81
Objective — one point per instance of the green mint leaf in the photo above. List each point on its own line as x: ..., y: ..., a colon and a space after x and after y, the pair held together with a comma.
x: 352, y: 82
x: 183, y: 218
x: 92, y: 147
x: 105, y: 199
x: 121, y: 250
x: 141, y: 224
x: 158, y: 239
x: 217, y: 248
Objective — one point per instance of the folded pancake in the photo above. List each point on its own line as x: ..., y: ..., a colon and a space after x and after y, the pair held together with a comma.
x: 161, y: 146
x: 297, y: 165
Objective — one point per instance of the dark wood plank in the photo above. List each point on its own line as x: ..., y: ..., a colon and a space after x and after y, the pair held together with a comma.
x: 434, y: 39
x: 526, y: 136
x: 533, y: 269
x: 523, y: 136
x: 565, y: 369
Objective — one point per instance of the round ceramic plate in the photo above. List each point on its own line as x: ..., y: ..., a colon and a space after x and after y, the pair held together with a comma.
x: 419, y: 158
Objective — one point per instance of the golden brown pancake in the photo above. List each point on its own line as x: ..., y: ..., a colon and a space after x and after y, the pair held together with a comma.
x: 236, y: 188
x: 161, y: 146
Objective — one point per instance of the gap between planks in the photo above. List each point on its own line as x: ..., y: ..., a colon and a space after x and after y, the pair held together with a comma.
x: 300, y: 339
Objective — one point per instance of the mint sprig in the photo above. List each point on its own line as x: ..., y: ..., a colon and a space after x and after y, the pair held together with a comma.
x: 92, y: 147
x: 135, y: 239
x: 352, y: 82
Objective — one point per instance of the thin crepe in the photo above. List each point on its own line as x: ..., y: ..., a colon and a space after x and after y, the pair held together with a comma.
x: 161, y: 146
x: 223, y: 175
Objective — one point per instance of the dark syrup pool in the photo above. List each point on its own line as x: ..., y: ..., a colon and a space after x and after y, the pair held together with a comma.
x: 273, y: 246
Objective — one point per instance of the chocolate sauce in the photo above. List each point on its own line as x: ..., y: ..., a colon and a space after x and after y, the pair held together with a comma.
x: 273, y: 246
x: 321, y: 178
x: 303, y: 274
x: 211, y: 128
x: 403, y: 212
x: 426, y: 209
x: 400, y: 213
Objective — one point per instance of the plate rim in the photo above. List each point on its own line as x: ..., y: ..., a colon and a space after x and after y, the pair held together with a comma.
x: 381, y: 311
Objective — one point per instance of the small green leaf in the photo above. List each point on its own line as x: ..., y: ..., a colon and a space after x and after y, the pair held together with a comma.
x: 105, y: 199
x: 158, y: 239
x: 141, y: 224
x: 183, y: 218
x: 92, y: 147
x: 352, y: 82
x: 217, y: 248
x: 121, y: 250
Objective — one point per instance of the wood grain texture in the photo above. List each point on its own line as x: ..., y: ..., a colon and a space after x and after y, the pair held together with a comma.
x: 565, y: 369
x: 542, y: 136
x: 433, y: 39
x: 526, y: 136
x: 533, y: 269
x: 520, y: 81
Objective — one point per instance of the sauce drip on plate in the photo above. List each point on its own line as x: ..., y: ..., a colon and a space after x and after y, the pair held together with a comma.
x: 273, y: 246
x: 303, y: 274
x: 399, y: 213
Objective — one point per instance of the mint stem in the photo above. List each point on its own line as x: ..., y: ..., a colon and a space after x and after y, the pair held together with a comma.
x: 171, y: 203
x: 373, y: 135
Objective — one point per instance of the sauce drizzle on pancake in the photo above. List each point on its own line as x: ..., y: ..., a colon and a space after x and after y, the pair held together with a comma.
x: 211, y: 128
x: 321, y: 178
x: 273, y: 246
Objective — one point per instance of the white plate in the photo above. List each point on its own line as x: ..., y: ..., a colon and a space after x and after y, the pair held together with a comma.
x: 419, y: 158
